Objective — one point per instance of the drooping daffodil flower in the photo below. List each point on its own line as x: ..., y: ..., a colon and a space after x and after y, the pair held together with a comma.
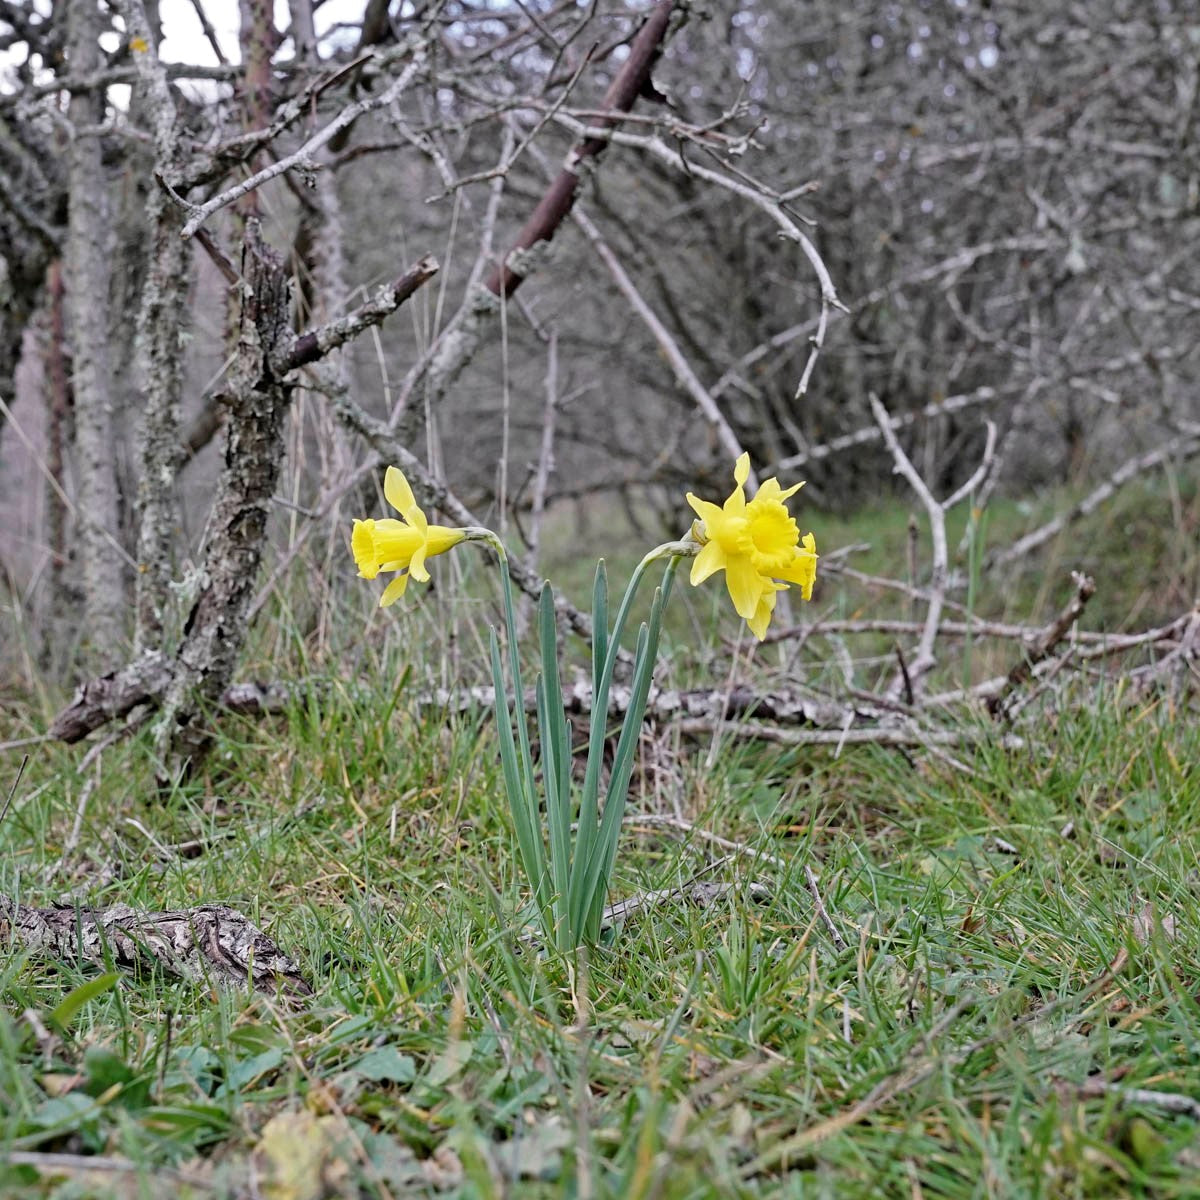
x: 403, y: 546
x: 757, y: 544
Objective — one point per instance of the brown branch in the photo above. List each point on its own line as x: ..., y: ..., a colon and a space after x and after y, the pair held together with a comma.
x: 630, y: 82
x: 316, y: 343
x: 1085, y: 587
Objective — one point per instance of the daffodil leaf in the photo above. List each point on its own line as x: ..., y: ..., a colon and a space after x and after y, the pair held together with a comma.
x: 518, y: 786
x: 556, y: 752
x: 599, y: 626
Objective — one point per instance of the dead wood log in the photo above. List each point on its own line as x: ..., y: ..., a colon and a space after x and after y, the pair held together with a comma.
x: 209, y: 944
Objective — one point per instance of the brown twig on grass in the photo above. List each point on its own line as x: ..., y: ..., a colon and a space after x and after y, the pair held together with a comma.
x: 1043, y: 645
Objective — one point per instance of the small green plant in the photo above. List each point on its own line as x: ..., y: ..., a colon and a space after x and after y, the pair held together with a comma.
x: 567, y: 842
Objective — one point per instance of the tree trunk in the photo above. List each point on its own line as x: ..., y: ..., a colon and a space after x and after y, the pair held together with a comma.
x: 87, y: 279
x: 162, y: 324
x: 258, y: 399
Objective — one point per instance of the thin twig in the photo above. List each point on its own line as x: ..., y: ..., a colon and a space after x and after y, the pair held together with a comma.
x: 304, y: 155
x: 12, y: 791
x: 1085, y: 588
x: 684, y: 373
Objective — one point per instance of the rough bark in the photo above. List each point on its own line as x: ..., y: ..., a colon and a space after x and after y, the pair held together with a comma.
x: 210, y: 944
x: 87, y: 279
x: 117, y: 694
x: 111, y: 696
x: 258, y: 399
x: 58, y: 403
x: 161, y: 332
x: 222, y: 590
x: 31, y: 196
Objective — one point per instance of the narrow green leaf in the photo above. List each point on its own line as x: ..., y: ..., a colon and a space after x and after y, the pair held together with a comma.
x: 589, y: 800
x: 599, y: 625
x: 520, y: 787
x: 556, y: 754
x: 550, y: 780
x: 598, y: 873
x: 514, y: 665
x: 67, y: 1008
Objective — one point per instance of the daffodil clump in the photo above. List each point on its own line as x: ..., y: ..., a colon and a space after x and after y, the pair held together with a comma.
x: 566, y: 839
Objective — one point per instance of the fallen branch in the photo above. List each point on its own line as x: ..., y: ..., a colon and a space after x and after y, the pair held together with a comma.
x: 1085, y: 588
x: 1172, y: 1102
x: 209, y: 944
x: 111, y: 696
x: 884, y: 735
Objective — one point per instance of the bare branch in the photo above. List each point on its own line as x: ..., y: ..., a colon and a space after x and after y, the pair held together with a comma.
x: 687, y: 378
x: 316, y: 343
x: 554, y: 206
x: 1178, y: 449
x: 303, y: 157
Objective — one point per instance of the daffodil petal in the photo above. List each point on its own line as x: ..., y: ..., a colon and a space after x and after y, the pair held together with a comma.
x: 393, y: 591
x: 397, y: 490
x: 400, y: 496
x: 741, y: 469
x: 709, y: 560
x: 745, y: 585
x: 762, y: 615
x: 416, y: 568
x: 362, y: 545
x: 706, y: 510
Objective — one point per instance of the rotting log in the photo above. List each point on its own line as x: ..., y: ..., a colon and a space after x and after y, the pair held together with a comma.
x: 209, y: 944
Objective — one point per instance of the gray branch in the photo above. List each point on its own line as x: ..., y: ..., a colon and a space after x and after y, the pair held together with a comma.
x: 210, y: 944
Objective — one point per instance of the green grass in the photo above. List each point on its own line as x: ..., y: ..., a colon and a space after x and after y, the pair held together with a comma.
x: 1016, y: 933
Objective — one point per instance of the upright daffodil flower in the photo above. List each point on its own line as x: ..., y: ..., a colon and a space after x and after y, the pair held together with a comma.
x: 391, y: 545
x: 758, y: 546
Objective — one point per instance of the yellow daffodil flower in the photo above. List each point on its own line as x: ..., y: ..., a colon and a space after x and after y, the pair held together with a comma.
x: 391, y: 545
x: 758, y: 546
